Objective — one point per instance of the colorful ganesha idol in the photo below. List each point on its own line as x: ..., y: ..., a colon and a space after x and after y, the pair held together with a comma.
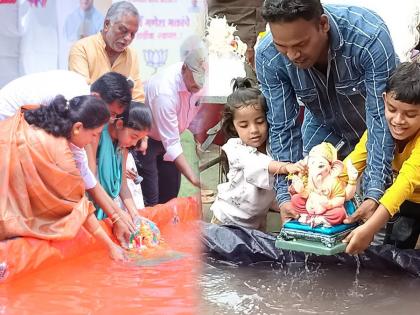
x: 320, y: 194
x: 147, y: 235
x: 323, y: 201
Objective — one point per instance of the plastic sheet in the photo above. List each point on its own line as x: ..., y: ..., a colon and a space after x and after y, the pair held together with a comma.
x: 247, y: 246
x: 78, y: 277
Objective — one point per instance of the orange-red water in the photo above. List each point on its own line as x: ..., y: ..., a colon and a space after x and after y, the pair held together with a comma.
x: 94, y: 284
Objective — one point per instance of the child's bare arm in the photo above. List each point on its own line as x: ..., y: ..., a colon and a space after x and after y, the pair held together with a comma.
x: 285, y: 168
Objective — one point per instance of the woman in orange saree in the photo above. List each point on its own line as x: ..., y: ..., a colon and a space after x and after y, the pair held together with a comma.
x: 42, y: 191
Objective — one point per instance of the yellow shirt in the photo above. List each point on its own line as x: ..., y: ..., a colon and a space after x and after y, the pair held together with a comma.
x: 88, y: 57
x: 406, y: 169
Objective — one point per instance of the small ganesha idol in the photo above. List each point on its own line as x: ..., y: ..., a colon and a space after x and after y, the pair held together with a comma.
x: 147, y: 235
x: 319, y: 194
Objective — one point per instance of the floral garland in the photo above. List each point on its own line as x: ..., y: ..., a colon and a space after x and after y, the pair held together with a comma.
x: 221, y: 39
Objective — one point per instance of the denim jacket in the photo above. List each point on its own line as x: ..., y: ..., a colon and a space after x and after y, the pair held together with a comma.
x: 361, y: 59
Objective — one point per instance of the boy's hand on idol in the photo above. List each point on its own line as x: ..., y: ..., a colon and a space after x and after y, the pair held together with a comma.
x: 359, y: 239
x: 363, y: 213
x: 352, y: 172
x: 288, y: 212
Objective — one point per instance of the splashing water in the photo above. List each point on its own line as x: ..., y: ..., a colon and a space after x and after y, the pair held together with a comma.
x: 356, y: 289
x: 306, y: 262
x: 310, y: 288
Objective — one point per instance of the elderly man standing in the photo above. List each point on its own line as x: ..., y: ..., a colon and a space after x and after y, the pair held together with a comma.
x: 173, y: 95
x: 336, y: 61
x: 108, y: 50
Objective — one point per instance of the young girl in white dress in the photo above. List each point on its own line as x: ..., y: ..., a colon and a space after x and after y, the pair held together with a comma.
x: 247, y: 195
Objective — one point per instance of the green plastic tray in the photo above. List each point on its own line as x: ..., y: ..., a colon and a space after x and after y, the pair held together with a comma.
x: 310, y: 246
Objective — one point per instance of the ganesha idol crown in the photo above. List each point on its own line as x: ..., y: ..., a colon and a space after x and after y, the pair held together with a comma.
x: 226, y: 56
x: 325, y: 150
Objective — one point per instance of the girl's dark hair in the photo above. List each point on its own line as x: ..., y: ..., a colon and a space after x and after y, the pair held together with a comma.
x: 404, y: 83
x: 60, y: 115
x: 137, y: 116
x: 245, y: 93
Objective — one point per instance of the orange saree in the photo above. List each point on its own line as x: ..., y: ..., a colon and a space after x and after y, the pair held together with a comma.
x: 42, y: 194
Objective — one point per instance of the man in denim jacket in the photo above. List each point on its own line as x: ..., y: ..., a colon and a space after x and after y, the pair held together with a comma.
x: 335, y: 60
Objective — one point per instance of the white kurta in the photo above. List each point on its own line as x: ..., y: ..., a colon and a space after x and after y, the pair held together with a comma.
x: 173, y: 108
x: 40, y: 89
x: 81, y: 160
x: 247, y: 195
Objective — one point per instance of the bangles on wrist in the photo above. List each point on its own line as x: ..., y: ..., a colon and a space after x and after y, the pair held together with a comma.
x: 114, y: 218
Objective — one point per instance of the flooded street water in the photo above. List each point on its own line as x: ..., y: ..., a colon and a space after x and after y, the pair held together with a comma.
x: 314, y: 288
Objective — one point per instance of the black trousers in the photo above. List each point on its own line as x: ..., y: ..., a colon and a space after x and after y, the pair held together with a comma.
x: 403, y: 230
x: 161, y: 179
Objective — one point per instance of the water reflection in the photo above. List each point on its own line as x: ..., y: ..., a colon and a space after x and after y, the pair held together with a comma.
x: 305, y: 288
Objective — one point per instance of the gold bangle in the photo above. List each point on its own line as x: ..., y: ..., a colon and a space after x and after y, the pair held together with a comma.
x: 115, y: 220
x: 351, y: 182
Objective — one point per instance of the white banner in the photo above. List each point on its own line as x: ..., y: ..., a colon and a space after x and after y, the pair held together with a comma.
x: 164, y: 24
